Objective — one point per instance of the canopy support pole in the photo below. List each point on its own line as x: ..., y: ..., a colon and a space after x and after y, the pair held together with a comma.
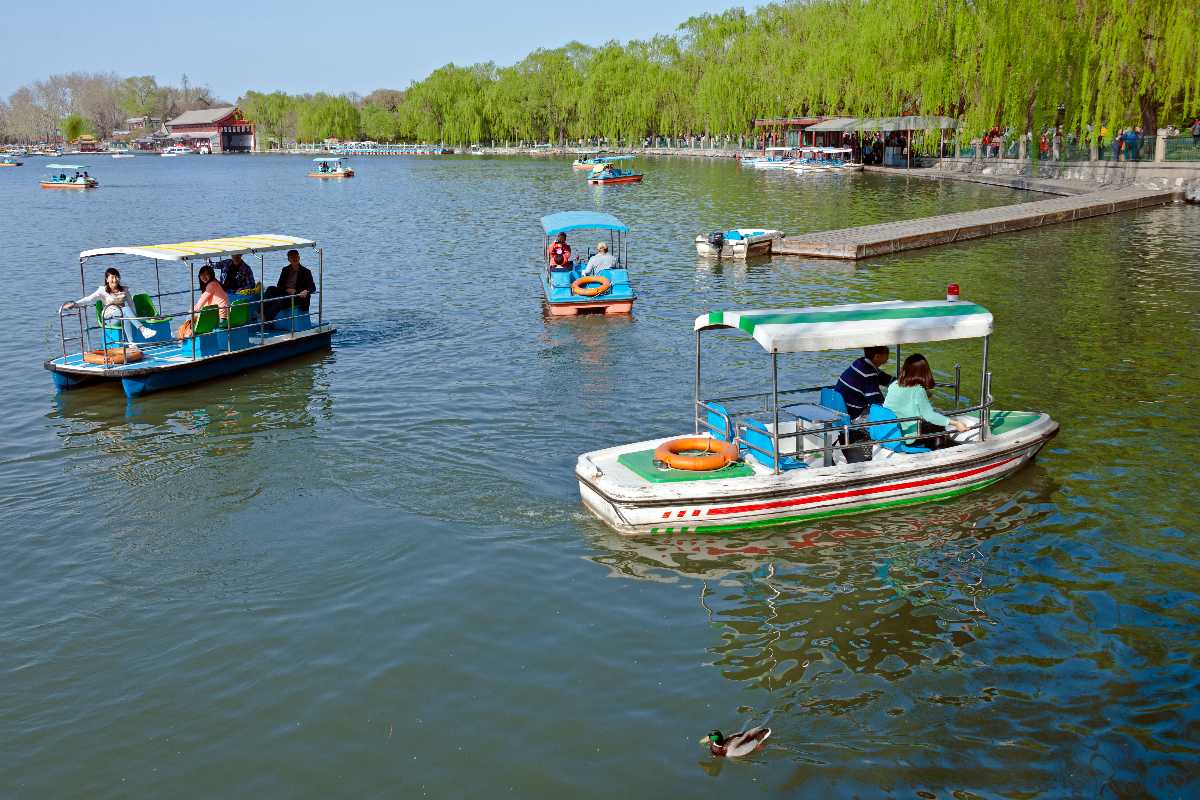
x: 157, y: 288
x: 85, y: 340
x: 985, y: 413
x: 775, y: 405
x: 897, y: 375
x: 192, y: 307
x: 262, y: 287
x: 320, y: 285
x: 696, y: 404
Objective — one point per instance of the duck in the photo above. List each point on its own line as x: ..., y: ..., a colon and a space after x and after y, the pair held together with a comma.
x: 740, y: 744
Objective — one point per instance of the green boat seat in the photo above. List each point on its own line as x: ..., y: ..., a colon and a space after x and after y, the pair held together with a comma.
x: 239, y: 315
x: 207, y: 321
x: 100, y: 317
x: 143, y: 306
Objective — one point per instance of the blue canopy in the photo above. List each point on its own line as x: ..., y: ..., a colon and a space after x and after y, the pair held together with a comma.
x: 320, y: 160
x: 563, y: 221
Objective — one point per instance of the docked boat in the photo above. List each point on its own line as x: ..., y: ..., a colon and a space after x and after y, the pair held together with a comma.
x: 108, y: 353
x: 825, y: 159
x: 775, y: 158
x: 737, y: 243
x: 567, y: 290
x: 176, y: 150
x: 776, y: 458
x: 608, y: 172
x: 122, y: 155
x: 60, y: 179
x: 330, y: 168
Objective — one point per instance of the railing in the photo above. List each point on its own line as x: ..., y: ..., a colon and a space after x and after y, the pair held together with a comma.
x: 830, y: 434
x: 125, y: 344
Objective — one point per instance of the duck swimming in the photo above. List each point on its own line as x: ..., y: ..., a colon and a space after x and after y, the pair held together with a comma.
x: 740, y: 744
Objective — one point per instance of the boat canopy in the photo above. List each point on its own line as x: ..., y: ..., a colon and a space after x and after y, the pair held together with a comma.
x: 206, y: 248
x: 324, y: 160
x: 66, y: 166
x: 563, y: 221
x: 801, y: 330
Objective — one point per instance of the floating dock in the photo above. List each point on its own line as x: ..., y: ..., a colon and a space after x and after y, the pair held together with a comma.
x: 892, y: 237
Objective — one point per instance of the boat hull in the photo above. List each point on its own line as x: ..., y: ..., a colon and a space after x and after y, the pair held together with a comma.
x: 48, y: 185
x: 347, y: 174
x: 622, y: 179
x: 803, y: 495
x: 751, y: 245
x: 575, y: 309
x: 136, y: 382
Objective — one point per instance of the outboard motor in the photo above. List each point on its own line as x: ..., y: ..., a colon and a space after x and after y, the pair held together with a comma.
x: 717, y: 239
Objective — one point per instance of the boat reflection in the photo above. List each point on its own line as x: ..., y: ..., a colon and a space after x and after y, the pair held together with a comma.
x: 876, y: 594
x: 201, y: 431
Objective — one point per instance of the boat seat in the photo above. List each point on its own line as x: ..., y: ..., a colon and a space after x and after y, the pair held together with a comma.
x: 720, y: 421
x: 832, y: 399
x: 756, y: 433
x: 203, y: 341
x: 143, y: 306
x: 233, y: 333
x: 881, y: 414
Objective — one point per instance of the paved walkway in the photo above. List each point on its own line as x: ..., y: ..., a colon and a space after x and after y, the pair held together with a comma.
x: 892, y: 237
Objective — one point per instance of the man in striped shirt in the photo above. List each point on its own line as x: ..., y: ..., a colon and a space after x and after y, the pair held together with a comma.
x: 862, y: 385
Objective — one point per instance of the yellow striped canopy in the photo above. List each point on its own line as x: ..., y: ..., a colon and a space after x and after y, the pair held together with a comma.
x: 206, y: 248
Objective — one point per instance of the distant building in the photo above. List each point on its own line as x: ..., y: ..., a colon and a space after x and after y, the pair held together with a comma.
x: 141, y: 123
x: 88, y: 144
x: 221, y: 130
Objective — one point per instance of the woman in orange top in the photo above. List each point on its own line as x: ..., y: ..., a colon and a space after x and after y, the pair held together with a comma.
x: 211, y: 294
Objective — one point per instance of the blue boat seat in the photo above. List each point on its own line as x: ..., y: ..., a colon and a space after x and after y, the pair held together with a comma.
x: 618, y: 276
x: 561, y: 278
x: 832, y: 399
x: 721, y: 424
x: 757, y: 434
x: 878, y: 432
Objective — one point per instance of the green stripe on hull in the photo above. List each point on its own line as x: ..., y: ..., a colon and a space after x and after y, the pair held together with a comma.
x: 748, y: 322
x: 835, y: 512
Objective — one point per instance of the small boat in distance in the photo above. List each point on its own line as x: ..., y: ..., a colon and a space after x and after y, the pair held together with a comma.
x: 568, y: 291
x: 589, y: 161
x: 176, y: 150
x: 737, y: 243
x: 775, y: 158
x: 825, y: 159
x: 9, y: 161
x: 62, y: 180
x: 330, y: 168
x: 607, y: 172
x: 778, y: 457
x: 148, y: 357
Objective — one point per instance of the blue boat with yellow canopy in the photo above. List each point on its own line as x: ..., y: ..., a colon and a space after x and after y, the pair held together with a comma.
x: 570, y: 285
x: 142, y: 354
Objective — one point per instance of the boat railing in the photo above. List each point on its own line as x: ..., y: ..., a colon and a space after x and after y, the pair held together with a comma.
x: 289, y: 316
x: 829, y: 435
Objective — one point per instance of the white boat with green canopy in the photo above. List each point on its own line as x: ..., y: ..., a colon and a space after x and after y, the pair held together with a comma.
x: 783, y: 456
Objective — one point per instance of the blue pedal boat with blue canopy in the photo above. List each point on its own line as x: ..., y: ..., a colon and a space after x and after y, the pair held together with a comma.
x: 568, y: 290
x: 606, y: 171
x: 146, y: 356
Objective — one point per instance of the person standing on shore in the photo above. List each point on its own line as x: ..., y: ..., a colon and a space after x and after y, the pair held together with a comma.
x: 1116, y: 146
x: 1196, y: 132
x: 1056, y: 145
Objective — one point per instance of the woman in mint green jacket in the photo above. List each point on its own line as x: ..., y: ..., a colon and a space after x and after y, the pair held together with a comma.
x: 908, y: 396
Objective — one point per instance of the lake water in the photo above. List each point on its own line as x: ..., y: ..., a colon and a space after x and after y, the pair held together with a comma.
x: 367, y: 573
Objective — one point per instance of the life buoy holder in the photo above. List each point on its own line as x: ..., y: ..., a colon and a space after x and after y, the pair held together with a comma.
x: 580, y: 286
x: 682, y: 453
x: 113, y: 355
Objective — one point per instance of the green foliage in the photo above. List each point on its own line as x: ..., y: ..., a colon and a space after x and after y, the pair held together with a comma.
x: 75, y: 125
x: 1011, y: 63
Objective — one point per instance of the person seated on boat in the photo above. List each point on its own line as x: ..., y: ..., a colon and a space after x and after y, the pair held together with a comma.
x: 909, y: 397
x: 558, y: 254
x: 211, y: 294
x: 861, y: 385
x: 117, y: 303
x: 602, y: 260
x: 236, y: 274
x: 62, y: 177
x: 295, y: 279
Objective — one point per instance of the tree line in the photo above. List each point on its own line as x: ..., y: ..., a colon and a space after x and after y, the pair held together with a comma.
x: 75, y: 103
x: 1019, y: 64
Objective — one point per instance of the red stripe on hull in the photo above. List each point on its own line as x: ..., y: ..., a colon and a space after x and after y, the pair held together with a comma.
x: 821, y: 498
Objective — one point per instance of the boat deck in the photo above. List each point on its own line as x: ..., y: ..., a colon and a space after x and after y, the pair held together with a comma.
x: 168, y: 354
x: 891, y: 237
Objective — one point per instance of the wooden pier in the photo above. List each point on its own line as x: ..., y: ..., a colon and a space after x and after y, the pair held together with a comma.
x: 892, y: 237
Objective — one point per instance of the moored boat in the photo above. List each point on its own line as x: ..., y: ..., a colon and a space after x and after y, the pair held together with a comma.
x: 737, y: 243
x: 330, y: 168
x: 606, y: 289
x: 176, y: 150
x: 79, y: 180
x: 785, y: 463
x: 825, y: 159
x: 147, y: 357
x: 775, y: 158
x: 605, y: 172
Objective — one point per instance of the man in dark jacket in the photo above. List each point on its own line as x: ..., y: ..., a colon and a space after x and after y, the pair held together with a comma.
x: 861, y: 386
x: 295, y: 279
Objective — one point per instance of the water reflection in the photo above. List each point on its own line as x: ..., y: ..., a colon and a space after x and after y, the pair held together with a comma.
x: 876, y: 594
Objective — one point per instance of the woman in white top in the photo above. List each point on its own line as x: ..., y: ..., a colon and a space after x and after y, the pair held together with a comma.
x: 117, y: 304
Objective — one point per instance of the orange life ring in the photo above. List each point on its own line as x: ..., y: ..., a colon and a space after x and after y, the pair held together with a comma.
x: 115, y: 355
x: 603, y: 284
x: 677, y: 453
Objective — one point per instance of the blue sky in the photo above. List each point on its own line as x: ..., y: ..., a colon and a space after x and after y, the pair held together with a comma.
x: 303, y: 46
